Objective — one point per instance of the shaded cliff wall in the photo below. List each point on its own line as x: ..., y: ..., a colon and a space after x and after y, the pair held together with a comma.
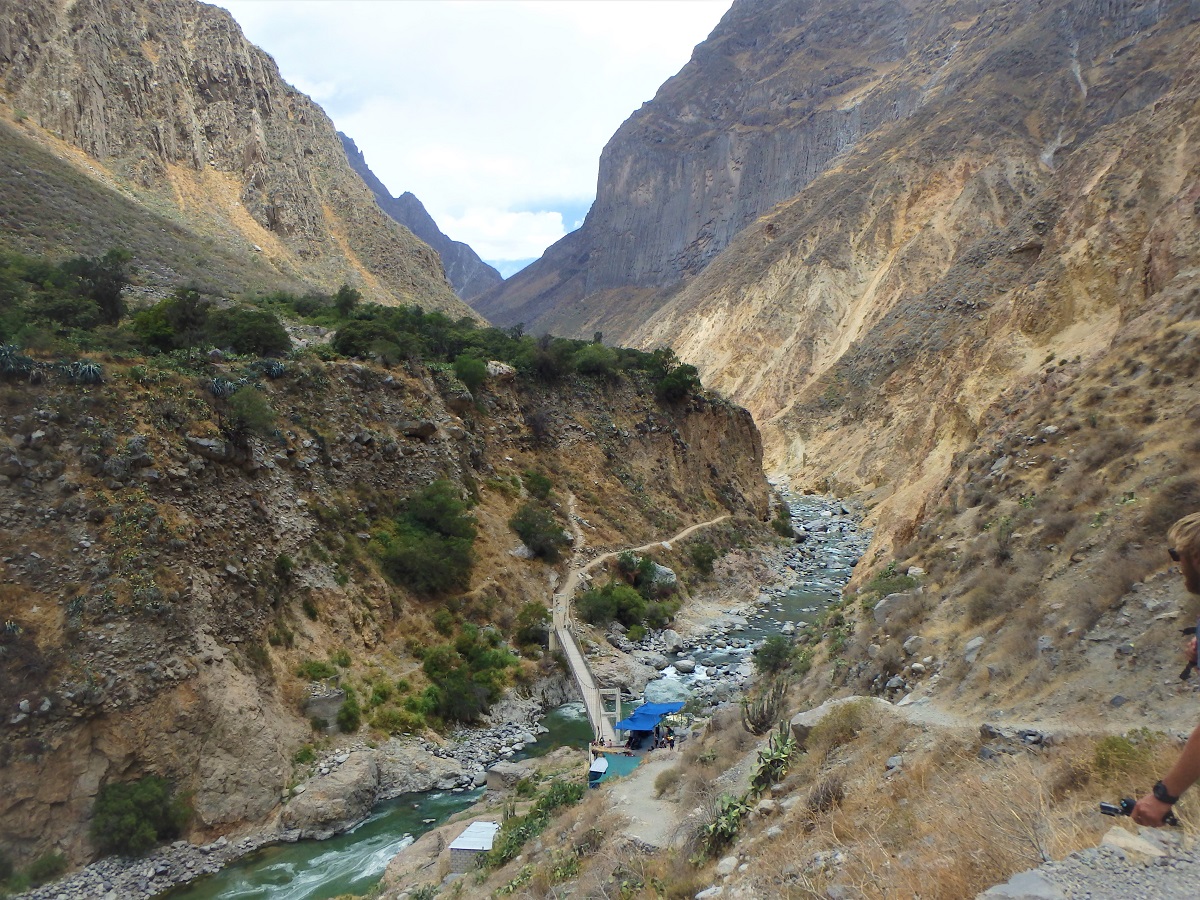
x: 169, y: 101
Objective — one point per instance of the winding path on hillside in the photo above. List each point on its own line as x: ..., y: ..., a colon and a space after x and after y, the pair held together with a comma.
x: 563, y: 632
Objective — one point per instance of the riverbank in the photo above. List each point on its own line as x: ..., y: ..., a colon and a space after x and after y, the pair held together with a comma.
x: 752, y: 594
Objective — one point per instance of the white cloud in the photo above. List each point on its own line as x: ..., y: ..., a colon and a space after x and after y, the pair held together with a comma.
x: 503, y: 235
x: 501, y: 105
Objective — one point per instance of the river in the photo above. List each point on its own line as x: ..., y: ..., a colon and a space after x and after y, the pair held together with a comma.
x: 815, y: 572
x: 353, y: 862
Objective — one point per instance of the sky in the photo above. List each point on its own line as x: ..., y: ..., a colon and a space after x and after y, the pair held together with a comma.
x: 492, y: 112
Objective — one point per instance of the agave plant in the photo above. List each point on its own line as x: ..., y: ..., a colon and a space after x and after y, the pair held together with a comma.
x: 84, y: 371
x: 272, y: 368
x: 222, y: 388
x: 13, y: 363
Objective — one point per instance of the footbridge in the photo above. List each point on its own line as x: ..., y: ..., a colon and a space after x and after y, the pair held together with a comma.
x: 603, y: 704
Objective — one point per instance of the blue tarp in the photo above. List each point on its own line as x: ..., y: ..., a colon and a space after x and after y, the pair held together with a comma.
x: 646, y: 716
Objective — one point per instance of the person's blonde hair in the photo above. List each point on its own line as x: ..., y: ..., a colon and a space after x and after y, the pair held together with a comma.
x: 1184, y: 536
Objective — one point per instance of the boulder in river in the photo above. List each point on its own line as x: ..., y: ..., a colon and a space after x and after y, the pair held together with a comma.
x: 337, y: 801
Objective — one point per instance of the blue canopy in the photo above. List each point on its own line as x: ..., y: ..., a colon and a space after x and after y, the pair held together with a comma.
x: 646, y: 716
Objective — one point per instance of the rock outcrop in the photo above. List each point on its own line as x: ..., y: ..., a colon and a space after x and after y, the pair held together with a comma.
x: 175, y: 109
x: 469, y: 274
x: 331, y: 804
x: 866, y: 225
x: 157, y: 612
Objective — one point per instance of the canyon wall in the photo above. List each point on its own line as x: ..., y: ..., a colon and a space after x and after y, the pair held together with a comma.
x: 168, y: 103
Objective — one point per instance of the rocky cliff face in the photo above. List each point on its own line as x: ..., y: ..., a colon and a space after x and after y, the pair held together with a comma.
x: 170, y: 104
x: 150, y: 626
x: 469, y: 274
x: 964, y: 191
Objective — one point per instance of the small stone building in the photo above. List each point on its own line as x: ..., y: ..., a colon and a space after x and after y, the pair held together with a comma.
x: 468, y: 847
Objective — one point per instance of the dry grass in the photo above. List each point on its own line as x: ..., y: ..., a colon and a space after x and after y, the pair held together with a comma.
x: 890, y: 834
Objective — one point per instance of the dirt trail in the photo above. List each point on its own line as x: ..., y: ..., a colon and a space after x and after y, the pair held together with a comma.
x: 563, y: 627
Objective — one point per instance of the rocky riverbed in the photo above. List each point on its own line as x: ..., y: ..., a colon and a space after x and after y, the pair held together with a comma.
x: 340, y: 788
x: 711, y: 660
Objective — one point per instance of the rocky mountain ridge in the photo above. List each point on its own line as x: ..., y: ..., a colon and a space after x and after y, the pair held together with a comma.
x: 169, y: 104
x: 153, y: 629
x: 469, y: 274
x: 1000, y: 184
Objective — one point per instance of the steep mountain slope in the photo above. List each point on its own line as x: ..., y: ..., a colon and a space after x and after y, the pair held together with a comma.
x: 867, y: 225
x: 469, y: 274
x: 169, y: 105
x: 162, y: 588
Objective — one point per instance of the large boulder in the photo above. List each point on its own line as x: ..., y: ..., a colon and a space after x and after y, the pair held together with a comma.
x: 335, y: 802
x: 504, y: 775
x: 803, y: 723
x: 895, y: 605
x: 405, y: 768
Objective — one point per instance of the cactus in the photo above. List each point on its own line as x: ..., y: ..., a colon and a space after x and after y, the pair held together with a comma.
x: 773, y: 761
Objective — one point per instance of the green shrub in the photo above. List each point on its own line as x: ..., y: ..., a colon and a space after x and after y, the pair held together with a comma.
x: 636, y: 632
x: 309, y: 605
x: 471, y: 371
x: 774, y: 655
x: 532, y: 625
x: 597, y: 361
x: 540, y: 531
x: 398, y: 721
x: 315, y: 670
x: 537, y: 484
x: 248, y: 331
x: 1118, y: 755
x: 349, y: 715
x: 429, y: 547
x: 889, y: 581
x: 340, y: 658
x: 599, y: 606
x: 443, y: 621
x: 466, y: 676
x: 703, y: 556
x: 131, y: 817
x: 304, y: 755
x: 46, y: 867
x: 782, y: 522
x: 250, y: 413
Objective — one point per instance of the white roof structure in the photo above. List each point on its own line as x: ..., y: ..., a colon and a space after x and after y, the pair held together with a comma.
x: 477, y: 836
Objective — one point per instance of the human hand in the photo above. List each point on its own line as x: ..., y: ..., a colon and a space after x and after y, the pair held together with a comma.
x: 1150, y: 811
x: 1191, y: 649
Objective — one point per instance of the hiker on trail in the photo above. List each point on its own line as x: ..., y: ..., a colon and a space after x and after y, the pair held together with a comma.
x: 1184, y: 541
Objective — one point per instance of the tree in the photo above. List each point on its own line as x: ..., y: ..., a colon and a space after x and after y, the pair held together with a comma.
x: 104, y: 280
x: 131, y: 817
x: 345, y: 300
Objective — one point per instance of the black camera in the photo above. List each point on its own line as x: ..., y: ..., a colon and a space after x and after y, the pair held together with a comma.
x: 1125, y: 808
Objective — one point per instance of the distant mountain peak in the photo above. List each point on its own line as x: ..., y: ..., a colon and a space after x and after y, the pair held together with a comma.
x: 469, y: 275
